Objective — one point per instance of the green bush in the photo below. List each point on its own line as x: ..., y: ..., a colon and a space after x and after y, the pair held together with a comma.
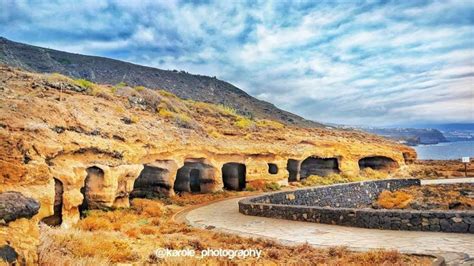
x: 84, y: 83
x: 272, y: 186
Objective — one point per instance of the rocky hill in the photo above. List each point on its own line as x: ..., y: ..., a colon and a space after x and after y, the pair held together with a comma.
x: 69, y: 145
x: 109, y: 71
x: 410, y: 136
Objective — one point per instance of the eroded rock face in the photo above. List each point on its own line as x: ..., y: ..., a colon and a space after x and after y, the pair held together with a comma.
x: 84, y: 142
x: 13, y: 205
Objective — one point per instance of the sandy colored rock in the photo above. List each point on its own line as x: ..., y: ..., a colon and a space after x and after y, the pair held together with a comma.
x: 58, y: 132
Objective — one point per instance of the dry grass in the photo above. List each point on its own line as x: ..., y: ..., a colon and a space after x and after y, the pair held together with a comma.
x: 394, y: 200
x: 366, y: 174
x: 429, y: 197
x: 131, y: 236
x: 59, y: 246
x: 262, y: 185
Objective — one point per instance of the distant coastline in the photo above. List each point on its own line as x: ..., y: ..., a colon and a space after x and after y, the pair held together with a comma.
x: 453, y: 150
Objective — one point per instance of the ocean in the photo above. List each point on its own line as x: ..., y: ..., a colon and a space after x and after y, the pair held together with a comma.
x: 446, y: 150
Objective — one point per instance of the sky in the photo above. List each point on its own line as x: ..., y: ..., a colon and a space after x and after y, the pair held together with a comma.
x: 376, y: 63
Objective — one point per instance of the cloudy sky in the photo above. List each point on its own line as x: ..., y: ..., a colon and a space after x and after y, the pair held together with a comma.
x: 347, y: 62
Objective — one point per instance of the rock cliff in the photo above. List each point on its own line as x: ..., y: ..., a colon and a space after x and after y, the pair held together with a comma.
x: 72, y: 145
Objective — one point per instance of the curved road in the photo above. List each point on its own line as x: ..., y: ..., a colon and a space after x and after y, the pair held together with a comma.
x: 224, y: 216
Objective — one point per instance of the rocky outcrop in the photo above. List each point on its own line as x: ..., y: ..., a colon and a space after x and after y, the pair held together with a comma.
x: 104, y: 149
x: 13, y: 205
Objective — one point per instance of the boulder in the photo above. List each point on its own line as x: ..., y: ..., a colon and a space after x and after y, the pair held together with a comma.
x: 13, y: 205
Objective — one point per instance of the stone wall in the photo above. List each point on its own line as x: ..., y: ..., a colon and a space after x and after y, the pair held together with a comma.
x: 339, y: 204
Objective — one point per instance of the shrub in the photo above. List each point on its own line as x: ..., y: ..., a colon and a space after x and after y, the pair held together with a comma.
x: 57, y: 77
x: 227, y: 110
x: 370, y: 173
x: 270, y: 123
x: 149, y: 208
x: 120, y: 85
x: 262, y: 185
x: 183, y: 120
x: 84, y: 83
x: 394, y: 200
x: 167, y: 94
x: 315, y: 180
x: 165, y: 113
x: 139, y: 88
x: 243, y: 122
x: 214, y: 134
x: 255, y: 185
x: 272, y: 186
x: 134, y: 119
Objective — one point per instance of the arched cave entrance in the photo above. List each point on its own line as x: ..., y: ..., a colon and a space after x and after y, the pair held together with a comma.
x: 293, y: 167
x: 319, y: 166
x: 194, y: 176
x: 272, y: 168
x: 233, y: 176
x: 153, y: 182
x: 377, y: 163
x: 56, y: 219
x: 93, y: 185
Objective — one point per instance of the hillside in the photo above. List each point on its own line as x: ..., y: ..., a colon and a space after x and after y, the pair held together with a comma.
x: 69, y: 146
x: 109, y: 71
x: 410, y: 136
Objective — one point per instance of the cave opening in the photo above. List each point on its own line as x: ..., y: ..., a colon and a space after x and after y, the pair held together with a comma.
x: 56, y: 219
x: 195, y: 180
x: 93, y: 186
x: 233, y: 176
x: 194, y: 177
x: 293, y: 167
x: 153, y: 182
x: 272, y: 168
x: 319, y: 166
x: 377, y: 163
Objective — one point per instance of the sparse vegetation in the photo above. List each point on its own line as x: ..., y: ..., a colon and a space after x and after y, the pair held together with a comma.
x: 226, y: 110
x: 243, y: 122
x: 269, y: 123
x: 394, y: 200
x: 428, y: 197
x: 84, y: 83
x: 131, y: 235
x: 139, y: 88
x: 262, y: 185
x: 167, y: 94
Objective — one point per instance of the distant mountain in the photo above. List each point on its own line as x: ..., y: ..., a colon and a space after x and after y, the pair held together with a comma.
x: 454, y: 131
x: 110, y: 71
x: 408, y: 136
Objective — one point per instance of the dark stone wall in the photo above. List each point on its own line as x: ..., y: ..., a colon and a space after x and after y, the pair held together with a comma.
x: 350, y: 195
x: 337, y: 204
